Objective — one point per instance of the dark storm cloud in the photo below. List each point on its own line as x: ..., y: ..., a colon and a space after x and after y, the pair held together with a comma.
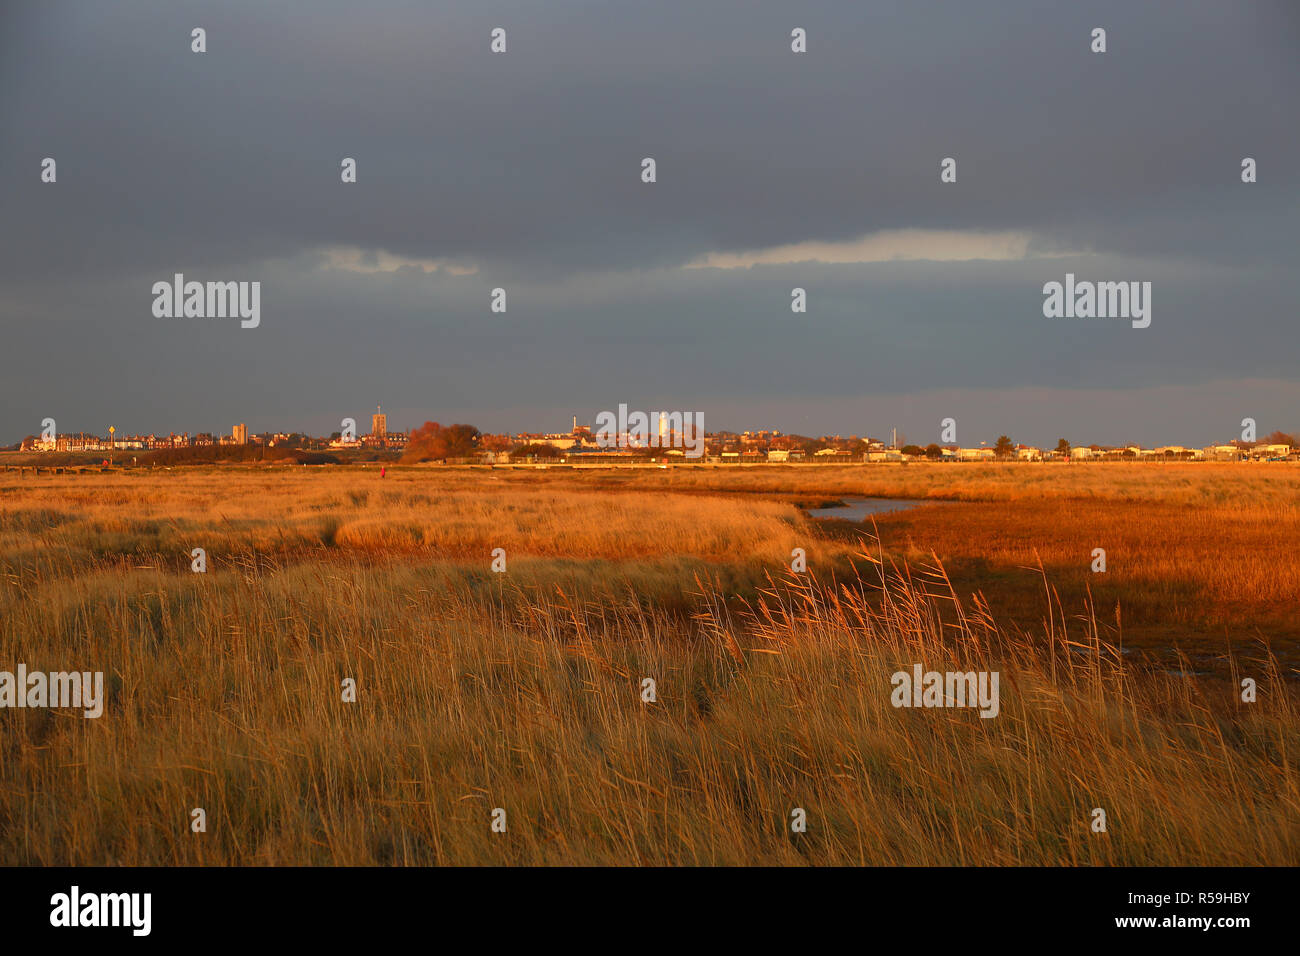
x: 526, y: 166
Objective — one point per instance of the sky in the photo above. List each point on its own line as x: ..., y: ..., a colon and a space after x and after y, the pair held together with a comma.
x: 522, y: 171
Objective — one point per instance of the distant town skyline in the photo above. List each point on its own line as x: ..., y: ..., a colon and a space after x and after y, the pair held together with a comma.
x: 915, y: 179
x: 380, y: 433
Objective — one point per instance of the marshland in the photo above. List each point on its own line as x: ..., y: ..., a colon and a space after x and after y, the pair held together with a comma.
x: 523, y: 689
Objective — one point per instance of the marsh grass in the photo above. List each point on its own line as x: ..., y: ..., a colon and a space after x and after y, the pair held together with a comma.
x: 523, y: 691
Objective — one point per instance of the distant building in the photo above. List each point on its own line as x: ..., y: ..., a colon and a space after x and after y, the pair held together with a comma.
x: 240, y: 434
x: 832, y: 455
x: 1223, y: 453
x: 379, y: 424
x: 1270, y: 451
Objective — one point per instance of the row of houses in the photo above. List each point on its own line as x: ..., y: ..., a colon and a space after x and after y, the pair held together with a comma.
x: 1271, y: 452
x: 772, y: 446
x: 949, y: 453
x: 1238, y: 451
x: 82, y: 441
x: 393, y: 440
x: 1231, y: 452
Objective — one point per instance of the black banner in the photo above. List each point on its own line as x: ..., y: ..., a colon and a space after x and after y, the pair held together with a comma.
x: 657, y: 906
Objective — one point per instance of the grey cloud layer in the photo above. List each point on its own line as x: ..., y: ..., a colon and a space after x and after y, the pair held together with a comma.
x: 225, y: 165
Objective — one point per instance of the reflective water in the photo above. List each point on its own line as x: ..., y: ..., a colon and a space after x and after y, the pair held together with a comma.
x: 858, y: 509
